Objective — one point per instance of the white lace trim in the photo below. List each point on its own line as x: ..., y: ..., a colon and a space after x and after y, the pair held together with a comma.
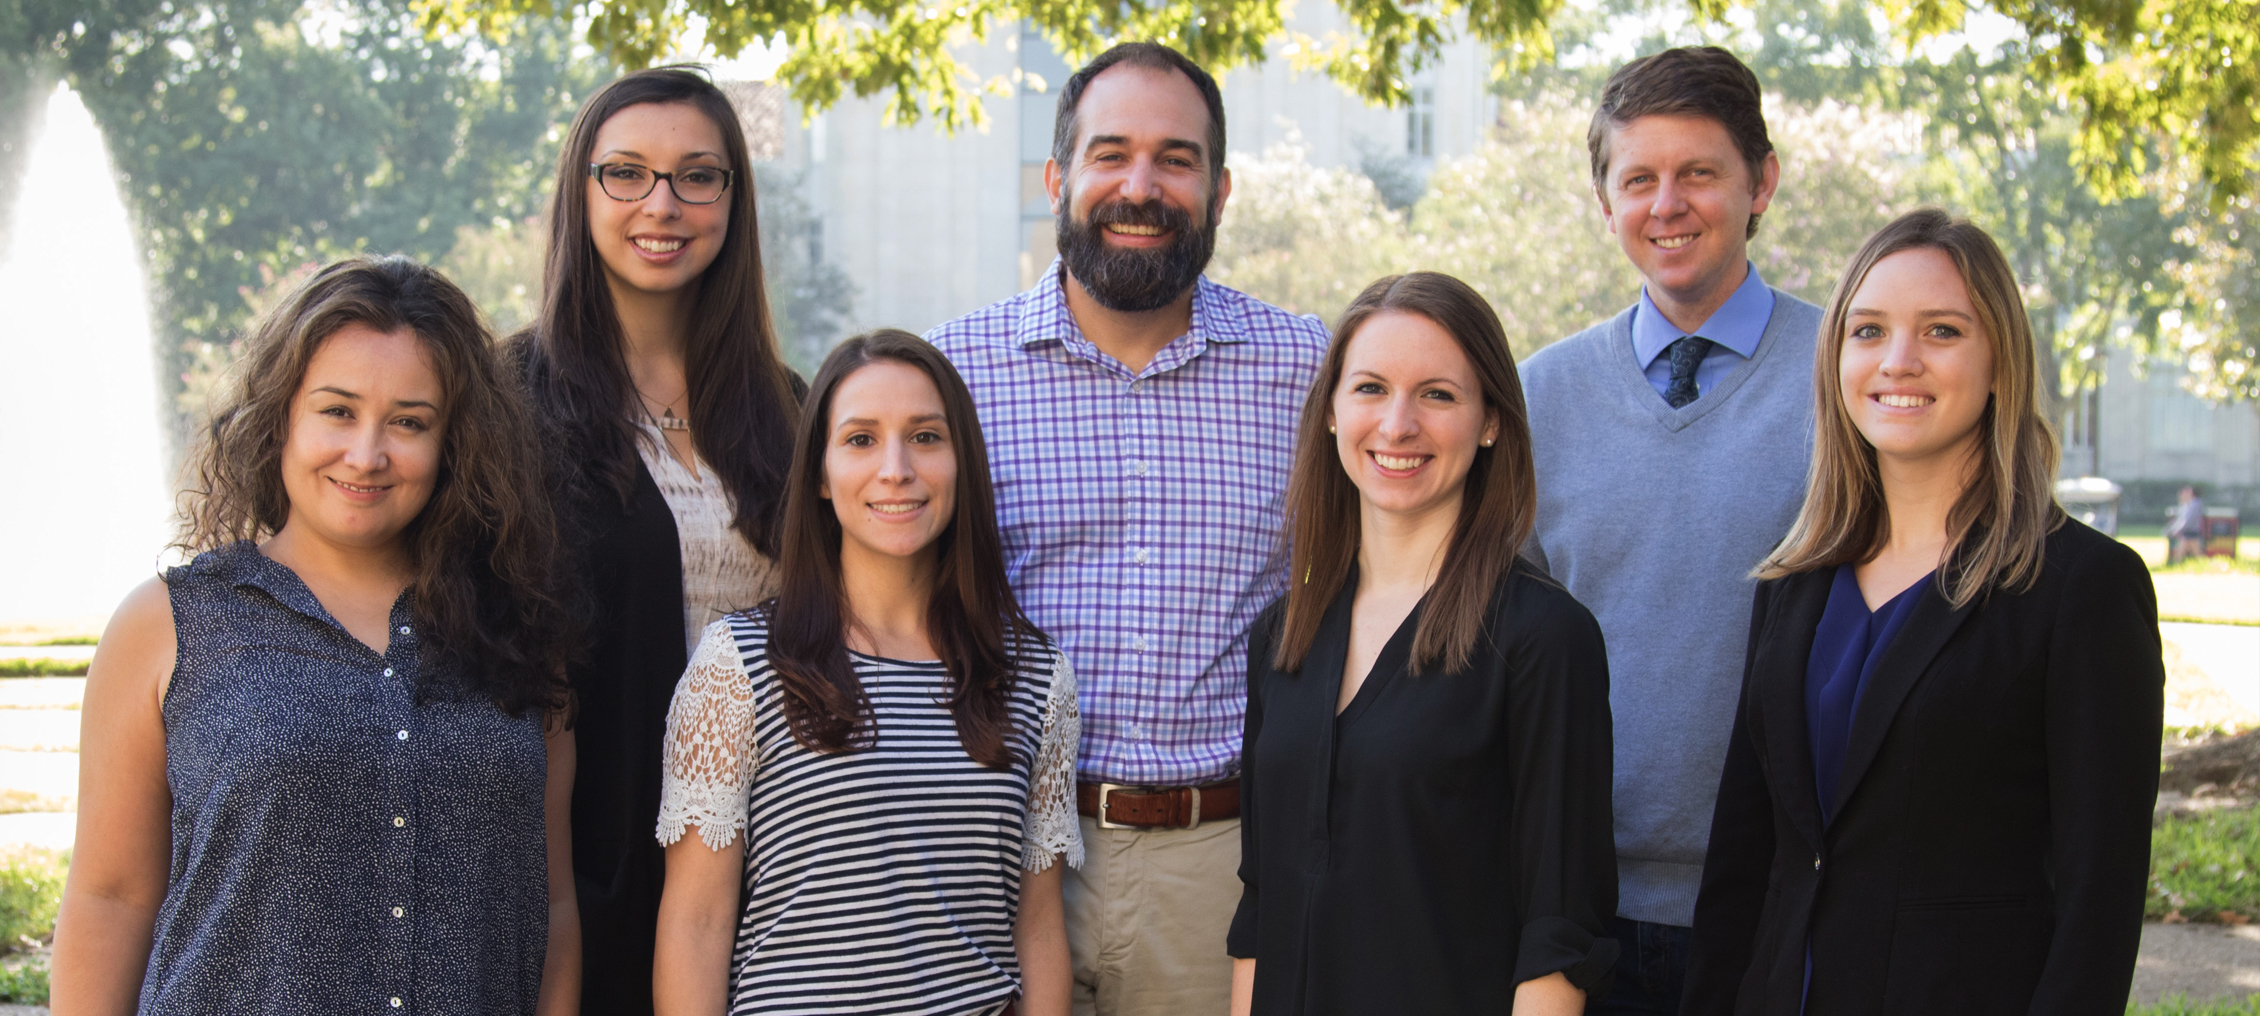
x: 707, y: 760
x: 1051, y: 825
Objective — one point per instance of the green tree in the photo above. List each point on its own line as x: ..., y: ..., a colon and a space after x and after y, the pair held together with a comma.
x: 2096, y: 272
x: 2182, y: 69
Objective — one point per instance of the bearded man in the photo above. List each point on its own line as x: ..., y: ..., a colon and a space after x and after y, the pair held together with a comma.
x: 1140, y: 421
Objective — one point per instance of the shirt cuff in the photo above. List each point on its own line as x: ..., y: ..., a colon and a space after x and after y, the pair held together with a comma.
x: 1559, y: 945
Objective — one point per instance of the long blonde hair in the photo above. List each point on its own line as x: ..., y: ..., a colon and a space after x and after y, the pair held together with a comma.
x: 1997, y: 528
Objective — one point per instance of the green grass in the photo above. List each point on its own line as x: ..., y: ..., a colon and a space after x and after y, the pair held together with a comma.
x: 2204, y: 865
x: 31, y: 890
x: 2182, y: 1006
x: 69, y: 640
x: 26, y: 984
x: 25, y: 667
x: 2245, y: 564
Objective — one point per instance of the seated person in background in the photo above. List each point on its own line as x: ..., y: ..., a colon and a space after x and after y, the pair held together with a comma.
x: 1938, y: 793
x: 2185, y: 534
x: 325, y: 768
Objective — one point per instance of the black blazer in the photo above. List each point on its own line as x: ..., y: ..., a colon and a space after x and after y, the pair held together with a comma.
x: 632, y: 567
x: 1991, y: 838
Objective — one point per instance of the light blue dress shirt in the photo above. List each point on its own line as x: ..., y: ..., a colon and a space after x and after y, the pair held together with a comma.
x: 1733, y: 329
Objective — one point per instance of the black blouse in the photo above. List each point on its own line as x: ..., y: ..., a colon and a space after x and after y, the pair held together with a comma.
x: 1447, y: 836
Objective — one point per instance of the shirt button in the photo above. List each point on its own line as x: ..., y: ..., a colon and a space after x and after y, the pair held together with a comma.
x: 396, y: 1001
x: 1138, y: 642
x: 1140, y: 557
x: 397, y: 822
x: 1816, y: 862
x: 404, y: 629
x: 388, y: 671
x: 1141, y: 467
x: 399, y: 911
x: 403, y: 735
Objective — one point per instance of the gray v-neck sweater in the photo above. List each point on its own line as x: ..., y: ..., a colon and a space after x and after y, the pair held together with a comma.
x: 1653, y: 517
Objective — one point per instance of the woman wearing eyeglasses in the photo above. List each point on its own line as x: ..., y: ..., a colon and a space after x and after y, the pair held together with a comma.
x: 669, y: 418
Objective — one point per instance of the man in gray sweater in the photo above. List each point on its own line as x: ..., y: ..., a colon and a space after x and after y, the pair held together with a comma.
x: 1671, y: 444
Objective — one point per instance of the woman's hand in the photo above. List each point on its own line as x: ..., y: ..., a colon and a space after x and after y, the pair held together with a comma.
x: 698, y: 923
x: 124, y: 852
x: 561, y: 967
x: 1551, y: 995
x: 1047, y: 978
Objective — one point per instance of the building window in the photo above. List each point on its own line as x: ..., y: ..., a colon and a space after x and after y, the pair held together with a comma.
x: 2179, y: 421
x: 1420, y: 123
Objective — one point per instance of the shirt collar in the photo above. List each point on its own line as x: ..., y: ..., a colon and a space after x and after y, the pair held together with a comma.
x: 1044, y: 316
x: 1738, y: 324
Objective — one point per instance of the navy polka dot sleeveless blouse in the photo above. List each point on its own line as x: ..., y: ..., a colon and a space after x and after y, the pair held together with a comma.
x: 338, y: 847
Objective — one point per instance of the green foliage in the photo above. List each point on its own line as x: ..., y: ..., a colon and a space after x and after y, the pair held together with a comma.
x: 866, y: 47
x: 2180, y: 1005
x: 31, y: 891
x: 25, y: 984
x: 2205, y: 865
x: 1518, y: 221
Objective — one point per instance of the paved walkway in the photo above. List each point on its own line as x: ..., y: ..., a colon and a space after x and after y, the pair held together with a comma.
x: 2204, y: 962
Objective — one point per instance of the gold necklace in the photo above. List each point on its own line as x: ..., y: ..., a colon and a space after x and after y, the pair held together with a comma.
x: 667, y: 421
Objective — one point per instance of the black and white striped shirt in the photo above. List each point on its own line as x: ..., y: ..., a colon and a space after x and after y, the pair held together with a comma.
x: 880, y: 880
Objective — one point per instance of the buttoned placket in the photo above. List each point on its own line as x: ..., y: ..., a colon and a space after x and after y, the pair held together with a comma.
x: 400, y: 748
x: 1140, y: 446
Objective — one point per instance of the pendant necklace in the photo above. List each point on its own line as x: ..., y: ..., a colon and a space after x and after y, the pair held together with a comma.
x: 667, y: 420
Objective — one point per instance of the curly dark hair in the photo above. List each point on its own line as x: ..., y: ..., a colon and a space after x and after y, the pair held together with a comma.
x: 484, y: 548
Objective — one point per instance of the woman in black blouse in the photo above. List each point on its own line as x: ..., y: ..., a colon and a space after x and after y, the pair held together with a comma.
x: 1425, y: 817
x: 669, y: 419
x: 1938, y: 793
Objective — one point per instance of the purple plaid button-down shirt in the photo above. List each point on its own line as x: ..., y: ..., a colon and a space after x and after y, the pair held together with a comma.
x: 1142, y: 510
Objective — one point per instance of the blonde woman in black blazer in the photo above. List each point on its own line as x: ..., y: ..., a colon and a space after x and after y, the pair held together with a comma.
x: 1937, y: 797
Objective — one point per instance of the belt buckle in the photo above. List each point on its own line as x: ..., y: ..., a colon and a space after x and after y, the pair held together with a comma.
x: 1106, y: 790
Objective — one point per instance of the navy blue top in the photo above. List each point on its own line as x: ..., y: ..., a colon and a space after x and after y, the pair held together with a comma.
x: 1846, y: 646
x: 338, y: 845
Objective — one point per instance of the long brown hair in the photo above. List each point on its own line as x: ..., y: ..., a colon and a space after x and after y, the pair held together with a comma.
x: 973, y: 622
x: 1998, y: 527
x: 482, y: 550
x: 1497, y: 511
x: 742, y: 403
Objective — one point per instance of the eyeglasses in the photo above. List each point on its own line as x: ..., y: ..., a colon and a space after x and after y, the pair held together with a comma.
x: 626, y: 181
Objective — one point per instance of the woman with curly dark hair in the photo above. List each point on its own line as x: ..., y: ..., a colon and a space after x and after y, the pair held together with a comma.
x: 669, y: 418
x: 325, y: 766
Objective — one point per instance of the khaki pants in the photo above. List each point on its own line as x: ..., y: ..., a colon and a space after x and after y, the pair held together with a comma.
x: 1146, y: 919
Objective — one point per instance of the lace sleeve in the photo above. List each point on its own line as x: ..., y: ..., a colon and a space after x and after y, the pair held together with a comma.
x: 1052, y: 828
x: 707, y: 759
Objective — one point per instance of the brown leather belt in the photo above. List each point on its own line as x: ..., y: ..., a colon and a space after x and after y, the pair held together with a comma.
x: 1119, y: 807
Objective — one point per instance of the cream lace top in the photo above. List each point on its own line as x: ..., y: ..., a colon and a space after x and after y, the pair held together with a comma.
x: 727, y: 744
x: 721, y: 571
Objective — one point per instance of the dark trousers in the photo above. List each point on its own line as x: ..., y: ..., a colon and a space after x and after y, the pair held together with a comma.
x: 1651, y: 970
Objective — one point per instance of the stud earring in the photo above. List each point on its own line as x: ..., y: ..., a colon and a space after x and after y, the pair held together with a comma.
x: 1486, y: 442
x: 1330, y: 428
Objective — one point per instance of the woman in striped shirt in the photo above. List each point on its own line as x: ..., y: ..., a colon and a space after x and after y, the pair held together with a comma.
x: 882, y: 757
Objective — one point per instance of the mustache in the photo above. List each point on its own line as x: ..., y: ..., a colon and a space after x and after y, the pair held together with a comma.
x: 1155, y: 213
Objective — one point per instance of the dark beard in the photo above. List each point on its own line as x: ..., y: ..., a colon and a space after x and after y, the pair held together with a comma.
x: 1134, y: 281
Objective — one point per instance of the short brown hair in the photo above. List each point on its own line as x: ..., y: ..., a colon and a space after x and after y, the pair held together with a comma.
x: 1703, y: 81
x: 1498, y: 510
x: 1998, y: 527
x: 1152, y: 56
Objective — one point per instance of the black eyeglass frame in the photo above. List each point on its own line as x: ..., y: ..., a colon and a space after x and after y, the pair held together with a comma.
x: 729, y: 176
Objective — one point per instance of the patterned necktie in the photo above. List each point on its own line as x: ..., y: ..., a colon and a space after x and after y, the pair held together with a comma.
x: 1686, y: 355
